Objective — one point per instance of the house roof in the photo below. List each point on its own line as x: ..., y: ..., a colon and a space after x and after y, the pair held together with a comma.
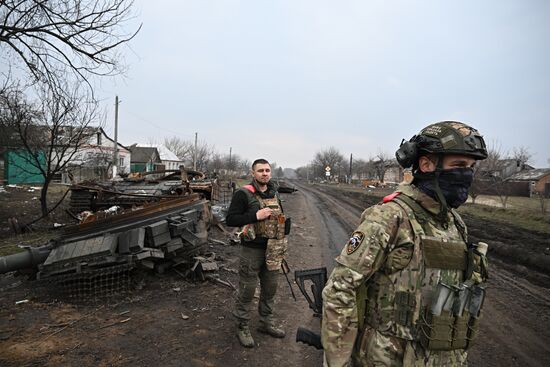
x: 531, y: 174
x: 144, y: 154
x: 514, y: 162
x: 113, y: 140
x: 165, y: 153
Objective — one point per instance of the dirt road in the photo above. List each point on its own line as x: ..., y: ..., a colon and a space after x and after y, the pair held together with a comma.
x: 174, y: 322
x: 514, y: 329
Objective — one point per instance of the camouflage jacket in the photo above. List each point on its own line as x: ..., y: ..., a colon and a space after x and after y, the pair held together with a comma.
x: 382, y: 258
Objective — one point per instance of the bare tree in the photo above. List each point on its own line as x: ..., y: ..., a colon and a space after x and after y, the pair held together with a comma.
x: 489, y: 177
x: 522, y: 155
x: 216, y: 164
x: 50, y: 132
x: 52, y: 38
x: 279, y: 173
x: 329, y: 157
x: 543, y: 200
x: 183, y: 149
x: 380, y: 164
x: 204, y: 154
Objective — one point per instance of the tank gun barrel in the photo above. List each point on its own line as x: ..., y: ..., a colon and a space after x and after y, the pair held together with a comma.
x: 27, y: 259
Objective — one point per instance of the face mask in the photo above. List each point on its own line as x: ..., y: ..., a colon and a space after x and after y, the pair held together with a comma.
x: 454, y: 184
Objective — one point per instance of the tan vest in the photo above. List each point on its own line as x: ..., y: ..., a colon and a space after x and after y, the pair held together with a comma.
x: 272, y: 228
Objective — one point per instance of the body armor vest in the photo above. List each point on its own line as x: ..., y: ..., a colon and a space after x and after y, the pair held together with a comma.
x: 420, y: 292
x: 272, y: 228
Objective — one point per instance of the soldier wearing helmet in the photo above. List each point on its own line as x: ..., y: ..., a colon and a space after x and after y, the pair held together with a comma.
x: 408, y: 287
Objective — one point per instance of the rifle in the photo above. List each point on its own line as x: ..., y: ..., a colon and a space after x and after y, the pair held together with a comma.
x: 286, y: 270
x: 318, y: 278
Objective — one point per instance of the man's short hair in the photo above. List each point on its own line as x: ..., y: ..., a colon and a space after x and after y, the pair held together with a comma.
x: 259, y: 161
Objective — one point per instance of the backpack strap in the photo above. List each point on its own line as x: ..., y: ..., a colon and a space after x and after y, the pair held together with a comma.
x: 460, y: 225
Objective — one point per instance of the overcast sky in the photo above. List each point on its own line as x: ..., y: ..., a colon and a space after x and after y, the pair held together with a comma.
x: 284, y: 79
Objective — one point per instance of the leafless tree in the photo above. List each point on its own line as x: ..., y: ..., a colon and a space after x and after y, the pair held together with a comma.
x: 329, y: 157
x: 488, y: 176
x: 522, y: 155
x: 279, y: 173
x: 216, y: 163
x: 380, y: 164
x: 185, y: 150
x: 302, y: 172
x: 51, y: 39
x: 50, y: 132
x: 543, y: 200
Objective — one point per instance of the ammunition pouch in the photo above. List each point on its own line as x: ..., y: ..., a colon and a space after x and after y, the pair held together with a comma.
x: 447, y: 332
x: 477, y: 267
x: 405, y: 304
x: 436, y: 332
x: 288, y: 224
x: 452, y: 321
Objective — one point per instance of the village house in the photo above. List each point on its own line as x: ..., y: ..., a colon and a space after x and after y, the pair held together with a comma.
x: 168, y: 159
x: 145, y: 159
x: 94, y: 160
x: 539, y: 180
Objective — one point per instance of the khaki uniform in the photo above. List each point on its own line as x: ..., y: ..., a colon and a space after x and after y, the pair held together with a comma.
x: 376, y: 300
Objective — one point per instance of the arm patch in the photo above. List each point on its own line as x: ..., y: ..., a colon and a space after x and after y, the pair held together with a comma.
x: 354, y: 242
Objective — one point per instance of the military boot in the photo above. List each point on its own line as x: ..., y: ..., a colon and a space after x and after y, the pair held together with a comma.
x: 245, y: 338
x: 270, y: 329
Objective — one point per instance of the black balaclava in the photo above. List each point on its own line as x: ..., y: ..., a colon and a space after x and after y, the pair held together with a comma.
x: 449, y: 187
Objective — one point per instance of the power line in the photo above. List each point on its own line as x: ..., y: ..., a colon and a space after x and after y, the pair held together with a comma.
x: 157, y: 126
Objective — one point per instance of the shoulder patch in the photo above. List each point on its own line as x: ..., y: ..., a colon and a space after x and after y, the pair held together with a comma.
x: 390, y: 197
x: 354, y: 242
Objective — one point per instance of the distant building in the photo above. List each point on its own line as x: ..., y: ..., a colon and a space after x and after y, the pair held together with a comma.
x: 95, y: 159
x: 168, y: 159
x: 394, y: 172
x: 145, y: 159
x: 539, y: 179
x: 92, y: 160
x: 506, y: 168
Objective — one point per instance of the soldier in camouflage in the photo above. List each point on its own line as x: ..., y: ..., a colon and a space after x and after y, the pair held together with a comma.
x: 257, y: 209
x: 408, y: 288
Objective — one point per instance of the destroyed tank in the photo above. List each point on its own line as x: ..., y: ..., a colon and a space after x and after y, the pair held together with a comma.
x: 140, y: 188
x: 96, y: 258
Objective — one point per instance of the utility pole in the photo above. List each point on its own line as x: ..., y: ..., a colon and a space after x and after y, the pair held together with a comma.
x: 350, y: 165
x: 195, y: 154
x: 115, y: 154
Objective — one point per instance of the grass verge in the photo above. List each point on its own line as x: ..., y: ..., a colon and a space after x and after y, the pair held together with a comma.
x: 524, y: 219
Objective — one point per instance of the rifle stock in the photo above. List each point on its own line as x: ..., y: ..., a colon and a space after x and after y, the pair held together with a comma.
x: 318, y: 278
x: 308, y: 337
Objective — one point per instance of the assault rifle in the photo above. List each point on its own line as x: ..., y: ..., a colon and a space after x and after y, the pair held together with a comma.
x: 318, y: 278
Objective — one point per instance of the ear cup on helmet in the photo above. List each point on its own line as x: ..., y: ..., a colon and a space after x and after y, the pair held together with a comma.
x: 406, y: 155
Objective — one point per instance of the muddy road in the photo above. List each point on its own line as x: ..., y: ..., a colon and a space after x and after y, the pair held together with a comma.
x: 515, y: 326
x: 175, y: 322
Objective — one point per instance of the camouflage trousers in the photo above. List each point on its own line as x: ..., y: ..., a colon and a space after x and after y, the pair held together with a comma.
x: 373, y: 348
x: 252, y: 266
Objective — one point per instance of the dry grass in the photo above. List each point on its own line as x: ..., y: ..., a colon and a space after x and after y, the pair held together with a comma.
x: 520, y: 211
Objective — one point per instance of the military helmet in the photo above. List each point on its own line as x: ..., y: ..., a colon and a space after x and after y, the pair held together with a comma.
x: 446, y: 137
